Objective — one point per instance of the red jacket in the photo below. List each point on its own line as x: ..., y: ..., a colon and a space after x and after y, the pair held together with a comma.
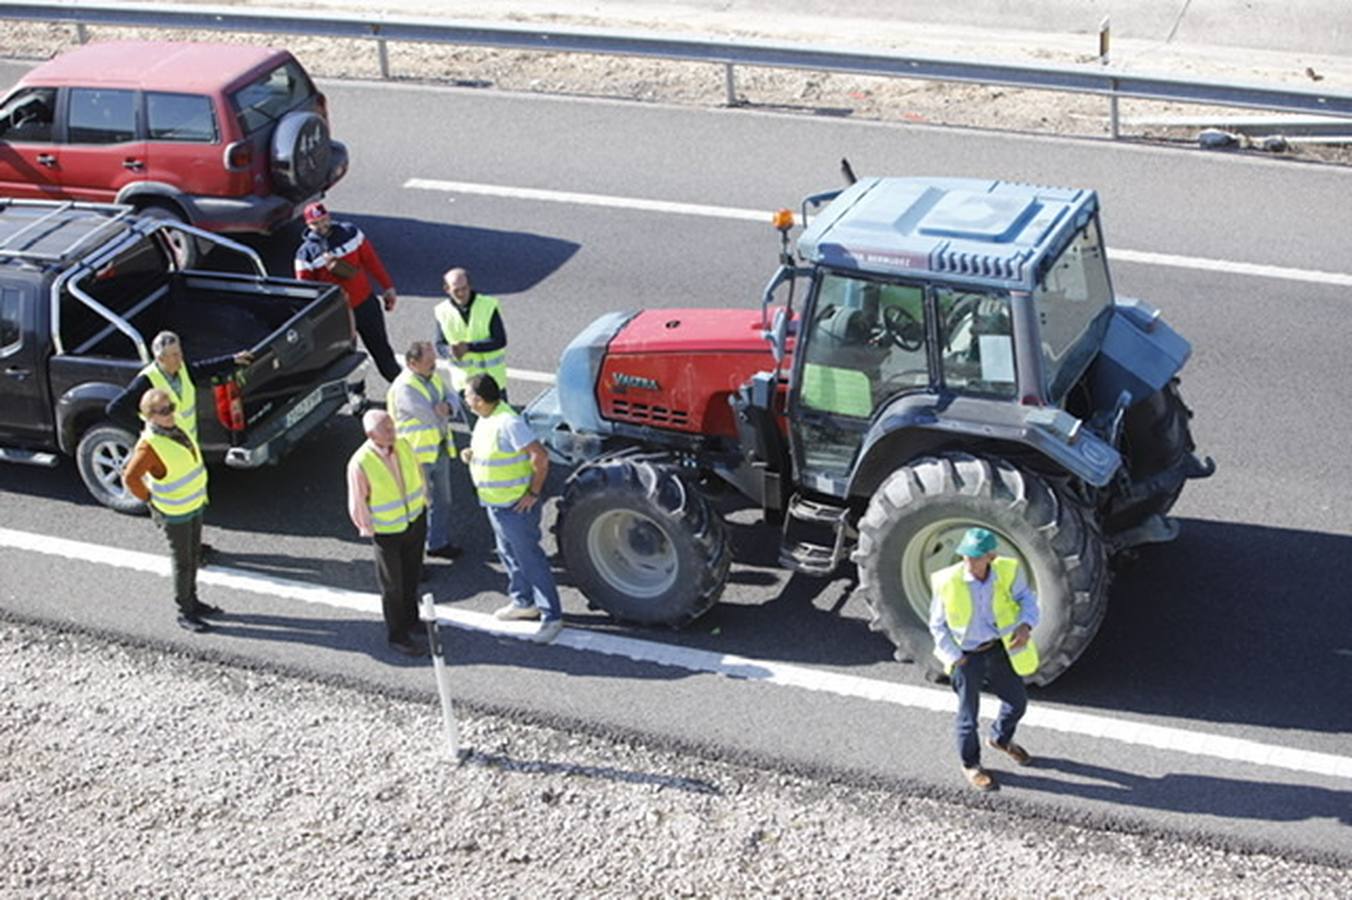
x: 346, y: 242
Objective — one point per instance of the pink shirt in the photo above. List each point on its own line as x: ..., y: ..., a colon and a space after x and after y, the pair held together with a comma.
x: 359, y: 486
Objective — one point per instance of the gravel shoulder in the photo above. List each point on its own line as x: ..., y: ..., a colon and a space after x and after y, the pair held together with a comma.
x: 135, y: 771
x: 803, y: 92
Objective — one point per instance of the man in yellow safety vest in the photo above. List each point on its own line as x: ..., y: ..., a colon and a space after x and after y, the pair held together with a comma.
x: 386, y: 500
x: 422, y: 410
x: 508, y: 466
x: 470, y: 333
x: 165, y: 470
x: 982, y: 616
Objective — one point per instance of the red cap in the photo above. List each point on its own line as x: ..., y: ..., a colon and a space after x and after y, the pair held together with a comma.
x: 314, y: 212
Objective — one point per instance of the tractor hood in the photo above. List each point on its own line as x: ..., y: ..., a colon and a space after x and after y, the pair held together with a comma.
x: 692, y: 331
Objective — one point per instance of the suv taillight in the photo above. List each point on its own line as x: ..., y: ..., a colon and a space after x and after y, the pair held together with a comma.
x: 239, y: 156
x: 229, y: 405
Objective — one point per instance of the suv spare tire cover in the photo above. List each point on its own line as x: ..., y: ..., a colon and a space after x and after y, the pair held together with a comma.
x: 300, y: 154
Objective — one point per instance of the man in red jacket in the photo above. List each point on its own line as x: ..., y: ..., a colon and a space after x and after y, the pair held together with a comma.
x: 338, y: 253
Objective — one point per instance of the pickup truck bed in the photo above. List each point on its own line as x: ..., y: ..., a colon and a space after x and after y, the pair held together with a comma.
x: 86, y: 320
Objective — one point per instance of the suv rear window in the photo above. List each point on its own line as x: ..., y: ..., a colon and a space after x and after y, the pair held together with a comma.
x: 272, y: 96
x: 180, y: 117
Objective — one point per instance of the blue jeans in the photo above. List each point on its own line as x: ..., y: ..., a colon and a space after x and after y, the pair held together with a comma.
x: 438, y: 476
x: 992, y: 669
x: 530, y: 582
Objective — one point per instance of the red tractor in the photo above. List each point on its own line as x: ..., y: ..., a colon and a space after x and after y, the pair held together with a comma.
x: 957, y: 358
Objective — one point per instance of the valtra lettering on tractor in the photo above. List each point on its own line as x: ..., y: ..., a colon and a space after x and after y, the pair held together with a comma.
x: 940, y: 354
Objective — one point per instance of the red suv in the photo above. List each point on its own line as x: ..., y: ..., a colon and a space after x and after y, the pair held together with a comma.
x: 223, y: 136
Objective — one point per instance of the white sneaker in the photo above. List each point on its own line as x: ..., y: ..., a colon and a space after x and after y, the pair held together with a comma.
x: 547, y: 631
x: 512, y: 611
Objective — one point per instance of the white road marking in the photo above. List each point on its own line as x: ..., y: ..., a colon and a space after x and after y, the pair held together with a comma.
x: 1203, y: 264
x: 1039, y: 715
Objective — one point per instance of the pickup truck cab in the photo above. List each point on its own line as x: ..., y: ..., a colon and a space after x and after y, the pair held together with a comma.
x: 84, y: 288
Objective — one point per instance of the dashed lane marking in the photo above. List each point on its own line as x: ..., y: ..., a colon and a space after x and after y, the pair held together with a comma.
x: 1233, y: 267
x: 1160, y: 737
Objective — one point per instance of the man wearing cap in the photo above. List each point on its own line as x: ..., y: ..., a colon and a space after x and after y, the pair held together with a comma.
x: 338, y: 253
x: 982, y: 616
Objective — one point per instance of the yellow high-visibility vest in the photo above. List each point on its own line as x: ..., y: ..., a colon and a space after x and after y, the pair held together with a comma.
x: 950, y: 586
x: 423, y: 437
x: 183, y: 489
x: 457, y: 331
x: 500, y: 478
x: 185, y: 404
x: 393, y: 510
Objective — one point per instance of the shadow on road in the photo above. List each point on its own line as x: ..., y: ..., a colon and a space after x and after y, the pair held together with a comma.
x: 1226, y: 798
x: 416, y: 253
x: 363, y: 636
x: 1230, y: 623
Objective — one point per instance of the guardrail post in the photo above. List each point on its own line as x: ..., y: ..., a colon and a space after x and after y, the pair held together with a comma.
x: 383, y: 47
x: 730, y: 84
x: 81, y: 33
x: 1113, y: 123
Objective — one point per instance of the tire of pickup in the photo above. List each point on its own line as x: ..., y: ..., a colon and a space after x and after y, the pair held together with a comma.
x: 300, y: 155
x: 100, y: 456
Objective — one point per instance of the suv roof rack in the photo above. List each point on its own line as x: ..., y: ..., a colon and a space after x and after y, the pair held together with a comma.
x: 52, y: 231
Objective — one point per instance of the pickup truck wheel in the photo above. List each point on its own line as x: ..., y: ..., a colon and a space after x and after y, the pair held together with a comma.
x: 641, y: 543
x: 183, y: 245
x: 301, y: 155
x: 916, y: 518
x: 100, y: 456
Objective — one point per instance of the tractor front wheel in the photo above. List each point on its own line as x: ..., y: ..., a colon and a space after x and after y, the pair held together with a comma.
x: 641, y: 543
x: 919, y: 514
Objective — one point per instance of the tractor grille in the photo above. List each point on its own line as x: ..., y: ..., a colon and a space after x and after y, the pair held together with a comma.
x: 649, y: 414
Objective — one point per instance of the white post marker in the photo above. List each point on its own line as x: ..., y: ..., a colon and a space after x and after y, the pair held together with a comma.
x: 428, y: 613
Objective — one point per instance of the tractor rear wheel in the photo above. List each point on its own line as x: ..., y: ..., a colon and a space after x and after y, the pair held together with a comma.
x: 641, y: 543
x: 916, y: 518
x: 1156, y: 436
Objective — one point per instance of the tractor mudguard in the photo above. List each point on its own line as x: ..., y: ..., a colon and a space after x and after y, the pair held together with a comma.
x: 917, y: 424
x: 1140, y: 353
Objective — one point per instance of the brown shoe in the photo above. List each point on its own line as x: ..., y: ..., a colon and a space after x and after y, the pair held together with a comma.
x: 980, y: 779
x: 1016, y: 753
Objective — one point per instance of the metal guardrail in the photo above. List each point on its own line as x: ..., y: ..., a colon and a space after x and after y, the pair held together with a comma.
x: 1086, y: 79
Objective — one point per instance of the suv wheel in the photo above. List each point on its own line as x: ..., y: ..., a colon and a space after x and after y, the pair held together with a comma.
x: 183, y: 245
x: 300, y: 155
x: 100, y: 456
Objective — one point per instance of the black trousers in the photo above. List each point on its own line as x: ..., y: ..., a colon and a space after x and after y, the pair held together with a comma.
x: 185, y: 549
x: 399, y: 560
x: 370, y: 317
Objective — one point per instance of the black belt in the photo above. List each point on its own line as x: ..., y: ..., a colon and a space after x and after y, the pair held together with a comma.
x: 982, y: 648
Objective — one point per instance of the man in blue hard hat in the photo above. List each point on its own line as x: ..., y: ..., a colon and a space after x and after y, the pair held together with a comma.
x: 982, y: 616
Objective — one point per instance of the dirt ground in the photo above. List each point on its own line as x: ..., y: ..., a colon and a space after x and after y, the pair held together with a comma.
x: 698, y: 84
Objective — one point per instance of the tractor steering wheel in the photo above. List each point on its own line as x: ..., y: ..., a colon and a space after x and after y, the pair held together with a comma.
x: 905, y: 330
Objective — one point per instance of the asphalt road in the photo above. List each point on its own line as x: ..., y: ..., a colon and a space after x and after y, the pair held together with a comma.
x: 1239, y: 629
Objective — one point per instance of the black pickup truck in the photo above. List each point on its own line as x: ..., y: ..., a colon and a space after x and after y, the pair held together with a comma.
x: 83, y: 290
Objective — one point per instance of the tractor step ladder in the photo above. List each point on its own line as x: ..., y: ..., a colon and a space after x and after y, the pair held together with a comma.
x: 809, y: 557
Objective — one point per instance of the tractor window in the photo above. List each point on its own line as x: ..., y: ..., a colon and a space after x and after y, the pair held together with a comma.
x: 977, y: 343
x: 1072, y: 303
x: 866, y: 343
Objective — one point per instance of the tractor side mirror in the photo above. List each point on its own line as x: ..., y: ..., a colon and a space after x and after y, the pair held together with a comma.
x: 779, y: 334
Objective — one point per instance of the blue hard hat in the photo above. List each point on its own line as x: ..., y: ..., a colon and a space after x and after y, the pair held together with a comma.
x: 976, y: 542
